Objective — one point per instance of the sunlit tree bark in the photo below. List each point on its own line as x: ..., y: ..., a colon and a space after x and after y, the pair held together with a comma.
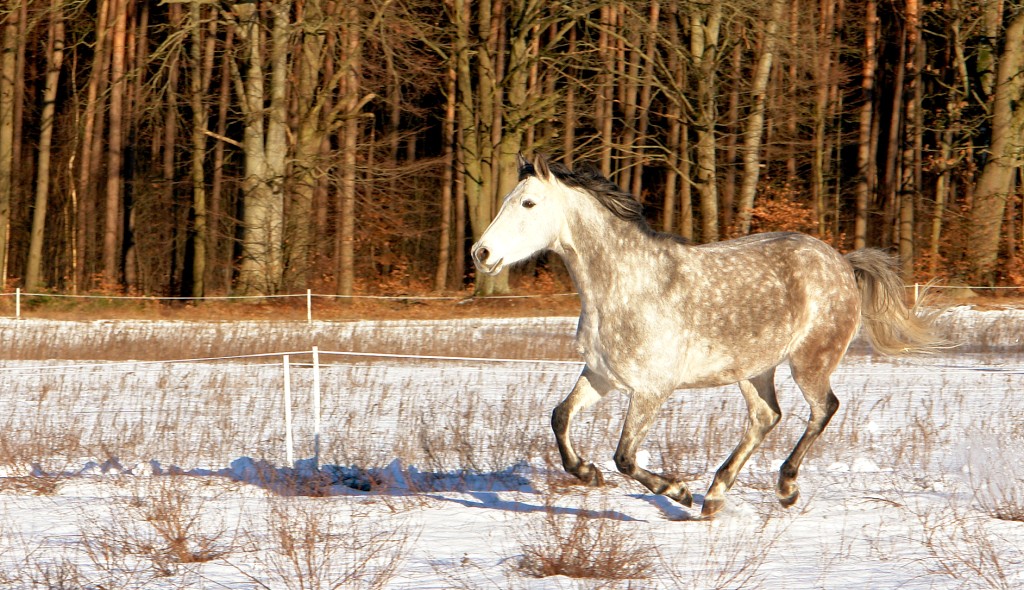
x: 444, y: 246
x: 55, y: 55
x: 112, y: 220
x: 755, y: 120
x: 994, y: 184
x: 704, y: 29
x: 198, y: 83
x: 8, y: 47
x: 265, y: 146
x: 910, y: 164
x: 865, y: 179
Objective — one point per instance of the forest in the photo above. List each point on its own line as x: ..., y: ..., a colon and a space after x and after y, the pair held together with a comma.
x: 211, y: 147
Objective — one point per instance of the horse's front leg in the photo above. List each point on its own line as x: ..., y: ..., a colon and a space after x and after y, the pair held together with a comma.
x: 589, y: 389
x: 642, y: 411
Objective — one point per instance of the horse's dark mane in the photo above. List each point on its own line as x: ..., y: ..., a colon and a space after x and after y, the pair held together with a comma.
x: 589, y: 179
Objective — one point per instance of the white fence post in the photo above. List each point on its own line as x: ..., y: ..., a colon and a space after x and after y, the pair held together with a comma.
x: 309, y: 306
x: 316, y: 407
x: 17, y: 303
x: 288, y: 446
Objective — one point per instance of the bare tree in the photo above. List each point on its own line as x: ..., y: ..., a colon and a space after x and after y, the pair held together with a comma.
x: 755, y: 121
x: 8, y: 44
x: 265, y: 146
x: 199, y: 79
x: 994, y: 184
x: 910, y: 162
x: 705, y: 23
x: 55, y: 58
x: 865, y: 179
x: 444, y: 247
x: 350, y: 137
x: 115, y: 144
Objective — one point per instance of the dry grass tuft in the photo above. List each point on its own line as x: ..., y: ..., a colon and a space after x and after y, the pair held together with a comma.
x: 584, y: 544
x: 310, y: 546
x: 158, y: 529
x: 997, y: 476
x: 31, y: 485
x: 966, y: 550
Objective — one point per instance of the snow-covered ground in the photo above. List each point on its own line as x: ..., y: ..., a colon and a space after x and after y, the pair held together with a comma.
x: 442, y: 473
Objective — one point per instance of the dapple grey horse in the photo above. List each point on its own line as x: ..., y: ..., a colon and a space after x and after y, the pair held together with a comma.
x: 660, y: 314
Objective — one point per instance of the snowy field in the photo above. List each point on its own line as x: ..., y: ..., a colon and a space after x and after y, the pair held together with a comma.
x: 125, y: 463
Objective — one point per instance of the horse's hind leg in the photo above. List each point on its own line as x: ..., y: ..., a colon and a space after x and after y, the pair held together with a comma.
x: 639, y: 417
x: 814, y: 383
x: 589, y: 389
x: 763, y: 413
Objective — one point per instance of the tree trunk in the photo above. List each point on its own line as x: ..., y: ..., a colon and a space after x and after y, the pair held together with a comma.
x: 448, y: 161
x: 223, y: 225
x: 8, y: 46
x: 86, y: 195
x: 569, y: 112
x: 893, y: 144
x: 865, y: 179
x: 823, y: 83
x: 628, y: 146
x: 732, y: 125
x: 469, y: 148
x: 112, y: 219
x: 166, y: 146
x: 307, y: 171
x: 606, y: 90
x: 350, y: 143
x: 942, y: 186
x: 265, y: 150
x: 479, y: 119
x: 910, y: 158
x: 646, y: 90
x: 673, y: 143
x: 993, y: 187
x: 704, y: 47
x: 55, y: 55
x: 200, y: 119
x: 755, y: 121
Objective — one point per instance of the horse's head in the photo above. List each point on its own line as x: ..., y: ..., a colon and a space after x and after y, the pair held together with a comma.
x: 531, y: 219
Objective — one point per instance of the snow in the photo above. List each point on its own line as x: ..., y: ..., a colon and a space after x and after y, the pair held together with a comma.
x: 443, y: 473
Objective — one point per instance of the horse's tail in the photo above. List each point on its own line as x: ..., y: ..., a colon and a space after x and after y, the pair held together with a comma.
x: 891, y: 326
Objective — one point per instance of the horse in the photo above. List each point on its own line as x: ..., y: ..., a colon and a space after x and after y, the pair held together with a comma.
x: 659, y: 313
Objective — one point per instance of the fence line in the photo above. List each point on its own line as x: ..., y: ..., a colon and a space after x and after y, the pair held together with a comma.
x: 18, y: 294
x: 315, y: 365
x: 315, y: 353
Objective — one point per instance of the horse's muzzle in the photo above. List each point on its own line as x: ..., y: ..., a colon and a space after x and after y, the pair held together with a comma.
x: 481, y: 258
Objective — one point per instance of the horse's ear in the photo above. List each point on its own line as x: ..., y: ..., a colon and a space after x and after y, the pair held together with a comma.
x: 540, y: 167
x: 521, y: 163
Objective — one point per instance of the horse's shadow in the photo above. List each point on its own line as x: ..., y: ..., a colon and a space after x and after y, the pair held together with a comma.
x: 471, y: 489
x: 671, y: 510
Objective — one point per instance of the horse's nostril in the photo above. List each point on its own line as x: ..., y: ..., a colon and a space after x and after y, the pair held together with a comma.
x: 482, y: 254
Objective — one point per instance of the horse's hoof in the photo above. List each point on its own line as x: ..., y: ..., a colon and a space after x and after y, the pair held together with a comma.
x: 683, y: 496
x: 789, y: 499
x: 590, y: 475
x: 711, y: 507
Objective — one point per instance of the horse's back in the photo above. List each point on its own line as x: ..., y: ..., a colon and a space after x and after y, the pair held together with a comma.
x: 759, y: 299
x: 781, y: 267
x: 806, y: 292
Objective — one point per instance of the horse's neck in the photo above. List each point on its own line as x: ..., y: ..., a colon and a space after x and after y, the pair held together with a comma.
x: 609, y: 260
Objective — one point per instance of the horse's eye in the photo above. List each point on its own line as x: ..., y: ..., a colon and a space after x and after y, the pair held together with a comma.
x: 528, y: 204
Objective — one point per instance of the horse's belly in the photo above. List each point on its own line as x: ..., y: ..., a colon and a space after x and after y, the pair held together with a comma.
x: 700, y: 367
x: 671, y: 365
